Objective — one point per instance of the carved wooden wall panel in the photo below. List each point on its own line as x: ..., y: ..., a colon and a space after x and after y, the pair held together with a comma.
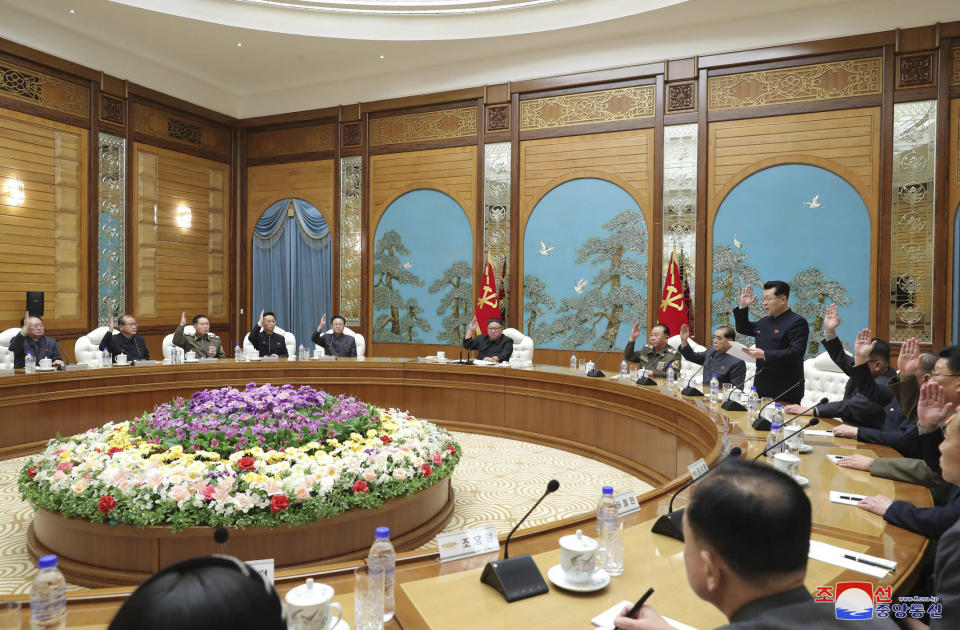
x: 588, y: 107
x: 823, y: 81
x: 179, y: 268
x: 953, y: 202
x: 452, y: 171
x: 292, y: 141
x: 437, y: 125
x: 177, y: 128
x: 37, y: 88
x: 955, y: 74
x: 916, y: 70
x: 312, y: 181
x: 48, y: 230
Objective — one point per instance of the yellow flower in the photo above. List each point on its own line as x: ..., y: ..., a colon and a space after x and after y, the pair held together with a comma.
x: 356, y: 436
x: 334, y: 442
x: 371, y: 433
x: 65, y: 455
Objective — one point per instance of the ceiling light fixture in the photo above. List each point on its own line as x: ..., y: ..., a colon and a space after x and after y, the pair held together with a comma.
x: 381, y: 56
x: 13, y: 192
x: 239, y: 44
x: 73, y: 11
x: 184, y: 216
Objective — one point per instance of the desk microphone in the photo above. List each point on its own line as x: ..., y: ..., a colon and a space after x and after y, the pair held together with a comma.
x: 222, y: 535
x: 813, y: 422
x: 690, y: 390
x: 761, y: 423
x: 731, y: 405
x: 517, y: 578
x: 671, y: 523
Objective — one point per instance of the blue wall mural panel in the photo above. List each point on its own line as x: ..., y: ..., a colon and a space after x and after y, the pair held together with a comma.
x: 801, y: 224
x: 422, y: 270
x: 585, y: 267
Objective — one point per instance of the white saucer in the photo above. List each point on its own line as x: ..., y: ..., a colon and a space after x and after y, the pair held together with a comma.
x: 191, y: 360
x: 341, y: 625
x: 557, y: 576
x: 252, y: 359
x: 802, y: 481
x: 43, y: 369
x: 806, y: 448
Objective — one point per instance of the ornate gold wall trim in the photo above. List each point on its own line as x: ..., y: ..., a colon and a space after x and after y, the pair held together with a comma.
x: 588, y: 107
x: 822, y: 81
x: 186, y: 131
x: 955, y: 75
x: 292, y: 141
x: 44, y: 90
x: 439, y: 125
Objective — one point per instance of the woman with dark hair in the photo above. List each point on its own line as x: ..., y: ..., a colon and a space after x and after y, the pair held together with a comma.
x: 209, y: 593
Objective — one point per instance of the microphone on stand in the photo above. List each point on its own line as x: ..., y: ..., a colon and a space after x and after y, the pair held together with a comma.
x: 761, y: 423
x: 813, y: 422
x: 644, y: 378
x: 731, y: 405
x: 222, y: 535
x: 690, y: 390
x: 671, y: 523
x: 517, y: 578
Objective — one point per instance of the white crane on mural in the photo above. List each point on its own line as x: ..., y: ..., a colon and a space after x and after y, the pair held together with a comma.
x: 544, y: 250
x: 814, y: 203
x: 578, y: 287
x: 407, y: 265
x: 736, y: 242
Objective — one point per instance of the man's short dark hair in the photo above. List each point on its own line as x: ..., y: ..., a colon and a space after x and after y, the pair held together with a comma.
x: 24, y: 319
x: 494, y: 320
x: 754, y: 517
x: 928, y: 361
x: 666, y: 329
x: 270, y: 313
x: 121, y: 321
x: 197, y: 318
x: 881, y: 351
x: 780, y: 288
x: 727, y: 332
x: 952, y: 355
x: 340, y: 317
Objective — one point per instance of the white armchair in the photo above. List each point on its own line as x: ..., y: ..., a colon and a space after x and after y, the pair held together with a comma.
x: 822, y: 378
x: 522, y: 346
x: 87, y: 347
x: 357, y: 339
x: 287, y: 336
x: 6, y: 357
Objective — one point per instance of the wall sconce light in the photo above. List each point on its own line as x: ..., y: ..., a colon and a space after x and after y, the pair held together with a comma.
x: 184, y: 216
x: 13, y: 192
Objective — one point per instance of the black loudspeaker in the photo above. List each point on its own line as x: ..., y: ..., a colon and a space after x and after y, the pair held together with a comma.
x: 35, y: 303
x: 517, y: 577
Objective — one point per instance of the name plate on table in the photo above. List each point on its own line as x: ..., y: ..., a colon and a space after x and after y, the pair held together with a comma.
x: 207, y: 360
x: 72, y: 367
x: 466, y: 543
x: 698, y: 469
x: 626, y: 502
x: 145, y: 363
x: 263, y: 567
x: 325, y: 357
x: 269, y: 358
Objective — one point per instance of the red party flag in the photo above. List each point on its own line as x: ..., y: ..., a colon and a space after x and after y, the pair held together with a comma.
x: 673, y: 306
x: 488, y: 304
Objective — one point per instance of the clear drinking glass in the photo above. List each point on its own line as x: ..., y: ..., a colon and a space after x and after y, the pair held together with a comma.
x: 367, y: 599
x: 727, y: 388
x: 10, y: 615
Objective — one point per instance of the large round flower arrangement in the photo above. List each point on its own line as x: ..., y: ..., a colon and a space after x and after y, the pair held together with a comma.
x: 240, y: 458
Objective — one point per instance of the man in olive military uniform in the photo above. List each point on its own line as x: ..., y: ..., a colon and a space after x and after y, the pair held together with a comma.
x: 203, y: 342
x: 657, y: 355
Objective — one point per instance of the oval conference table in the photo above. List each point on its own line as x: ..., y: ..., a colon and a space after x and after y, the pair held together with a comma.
x: 640, y: 430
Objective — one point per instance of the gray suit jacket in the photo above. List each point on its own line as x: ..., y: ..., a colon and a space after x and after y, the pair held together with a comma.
x: 946, y: 577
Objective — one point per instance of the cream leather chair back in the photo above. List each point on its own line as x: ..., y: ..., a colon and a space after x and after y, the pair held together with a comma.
x: 357, y: 339
x: 822, y: 378
x: 6, y: 357
x: 287, y: 336
x: 87, y: 348
x: 522, y: 346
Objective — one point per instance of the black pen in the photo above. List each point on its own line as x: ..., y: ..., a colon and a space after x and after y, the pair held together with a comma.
x: 636, y: 607
x: 858, y: 498
x: 867, y: 562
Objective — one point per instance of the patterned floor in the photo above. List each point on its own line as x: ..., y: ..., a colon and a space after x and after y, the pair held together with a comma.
x: 495, y: 483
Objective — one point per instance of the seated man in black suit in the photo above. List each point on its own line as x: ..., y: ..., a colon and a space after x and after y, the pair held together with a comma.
x: 747, y: 535
x: 493, y: 346
x: 127, y: 342
x: 265, y: 339
x: 31, y: 340
x: 336, y: 343
x: 728, y: 368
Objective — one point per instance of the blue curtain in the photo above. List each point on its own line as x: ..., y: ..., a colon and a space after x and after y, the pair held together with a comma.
x: 291, y: 267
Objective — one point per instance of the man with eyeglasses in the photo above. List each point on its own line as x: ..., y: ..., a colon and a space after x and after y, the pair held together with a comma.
x: 493, y: 346
x: 127, y: 342
x: 31, y: 339
x: 781, y: 340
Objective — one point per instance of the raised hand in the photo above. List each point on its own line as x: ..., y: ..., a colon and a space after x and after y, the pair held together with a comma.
x: 323, y: 323
x: 260, y: 320
x: 909, y: 359
x: 183, y: 318
x: 26, y: 323
x: 863, y: 346
x: 931, y: 409
x: 684, y: 334
x: 635, y: 331
x: 112, y: 328
x: 747, y: 297
x: 831, y: 319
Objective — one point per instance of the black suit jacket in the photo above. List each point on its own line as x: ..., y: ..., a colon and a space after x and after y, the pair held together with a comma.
x: 783, y: 340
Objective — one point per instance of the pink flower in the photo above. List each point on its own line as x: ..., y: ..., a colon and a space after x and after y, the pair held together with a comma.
x: 369, y: 476
x: 437, y: 458
x: 399, y: 474
x: 179, y: 493
x: 67, y: 466
x: 208, y: 492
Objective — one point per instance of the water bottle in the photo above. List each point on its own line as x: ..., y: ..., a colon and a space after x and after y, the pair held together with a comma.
x: 671, y: 380
x: 753, y: 404
x: 714, y: 389
x: 106, y: 359
x: 300, y: 353
x: 382, y: 557
x: 48, y: 596
x: 29, y: 363
x: 573, y: 362
x: 624, y: 369
x: 776, y: 433
x: 238, y: 353
x: 609, y: 534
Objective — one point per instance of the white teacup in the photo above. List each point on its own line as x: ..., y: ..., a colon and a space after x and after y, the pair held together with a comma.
x: 317, y: 352
x: 794, y: 435
x: 787, y: 462
x: 253, y: 354
x: 46, y: 363
x: 191, y: 356
x: 441, y: 355
x: 121, y: 359
x: 578, y: 557
x: 310, y: 607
